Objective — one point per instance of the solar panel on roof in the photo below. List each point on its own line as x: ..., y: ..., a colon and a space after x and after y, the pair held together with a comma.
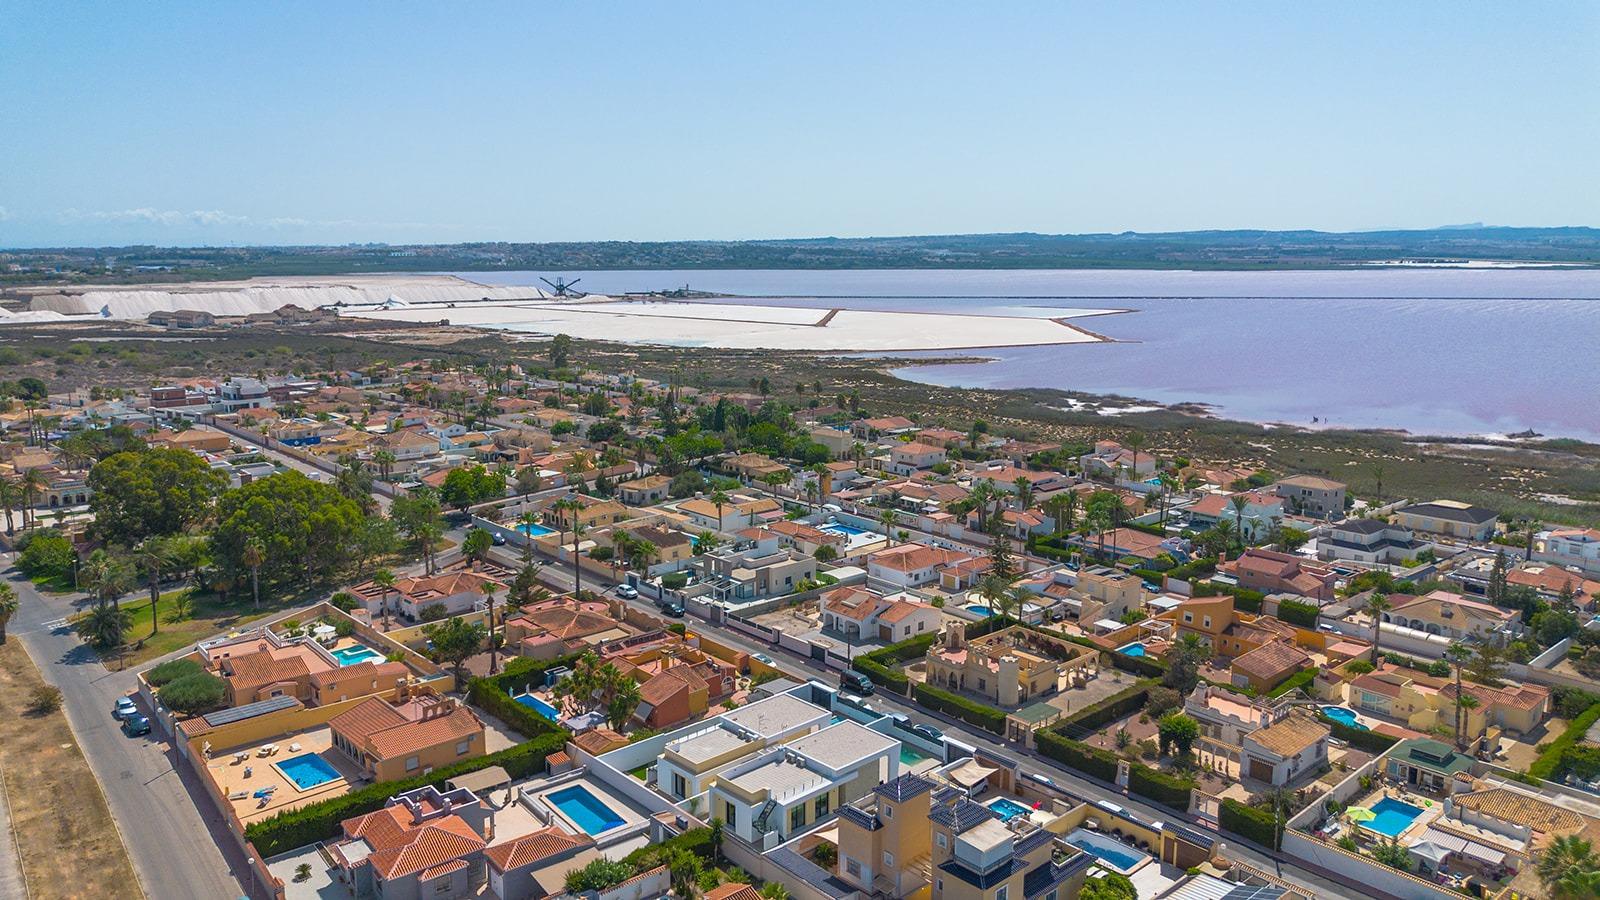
x: 249, y: 710
x: 1254, y: 892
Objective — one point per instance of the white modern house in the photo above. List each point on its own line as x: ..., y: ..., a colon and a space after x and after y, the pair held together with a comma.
x: 1370, y: 541
x: 690, y: 762
x: 784, y: 790
x: 1577, y: 548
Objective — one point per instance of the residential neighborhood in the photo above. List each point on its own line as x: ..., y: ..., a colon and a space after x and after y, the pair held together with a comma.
x: 440, y: 631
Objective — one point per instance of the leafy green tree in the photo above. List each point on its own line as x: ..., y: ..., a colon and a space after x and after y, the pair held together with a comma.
x: 455, y: 641
x: 1108, y: 886
x: 416, y: 516
x: 560, y: 350
x: 303, y: 528
x: 1178, y: 730
x: 47, y: 554
x: 476, y: 544
x: 137, y: 494
x: 598, y: 875
x: 466, y: 486
x: 1183, y: 664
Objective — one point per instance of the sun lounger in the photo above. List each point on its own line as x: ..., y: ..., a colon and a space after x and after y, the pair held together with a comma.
x: 238, y: 795
x: 241, y: 756
x: 264, y: 751
x: 294, y: 748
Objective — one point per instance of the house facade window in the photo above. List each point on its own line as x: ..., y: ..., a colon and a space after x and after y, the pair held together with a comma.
x: 1003, y: 892
x: 730, y: 814
x: 797, y: 816
x: 852, y: 867
x: 822, y: 806
x: 413, y: 763
x: 679, y: 786
x: 888, y: 860
x: 463, y: 748
x: 939, y: 839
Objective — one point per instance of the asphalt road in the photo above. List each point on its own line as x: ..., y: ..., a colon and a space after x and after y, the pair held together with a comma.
x: 172, y: 833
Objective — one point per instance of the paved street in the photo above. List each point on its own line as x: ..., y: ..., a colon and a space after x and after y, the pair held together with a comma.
x: 176, y: 850
x: 11, y: 881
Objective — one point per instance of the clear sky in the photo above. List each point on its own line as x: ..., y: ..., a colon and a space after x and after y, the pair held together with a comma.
x: 334, y: 122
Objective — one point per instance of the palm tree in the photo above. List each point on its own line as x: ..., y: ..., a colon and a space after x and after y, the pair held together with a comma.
x: 527, y: 520
x: 10, y: 494
x: 385, y: 461
x: 8, y: 607
x: 32, y: 483
x: 254, y: 555
x: 386, y: 582
x: 888, y: 520
x: 1377, y: 605
x: 719, y: 499
x: 1169, y: 486
x: 1457, y: 654
x: 104, y: 627
x: 1239, y: 502
x: 578, y: 530
x: 1024, y: 492
x: 624, y: 699
x: 106, y: 576
x: 488, y: 588
x: 154, y: 554
x: 1563, y: 858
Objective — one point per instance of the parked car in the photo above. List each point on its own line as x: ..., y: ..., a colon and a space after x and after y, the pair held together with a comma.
x: 627, y: 592
x: 764, y: 659
x: 125, y: 707
x: 927, y: 732
x: 856, y: 681
x: 497, y: 539
x: 674, y: 610
x: 136, y: 725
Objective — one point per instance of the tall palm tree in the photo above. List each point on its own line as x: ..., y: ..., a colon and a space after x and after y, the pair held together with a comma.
x: 384, y: 579
x: 8, y: 607
x: 527, y: 520
x: 32, y: 484
x: 154, y: 555
x: 1169, y: 486
x: 1134, y: 441
x: 1457, y: 654
x: 1377, y: 605
x: 578, y: 531
x: 488, y: 588
x: 1239, y: 502
x: 104, y: 627
x: 385, y: 461
x: 10, y: 495
x: 888, y: 520
x: 254, y: 555
x: 719, y: 499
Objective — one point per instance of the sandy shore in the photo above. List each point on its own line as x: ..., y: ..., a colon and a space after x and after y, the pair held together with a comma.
x: 749, y: 327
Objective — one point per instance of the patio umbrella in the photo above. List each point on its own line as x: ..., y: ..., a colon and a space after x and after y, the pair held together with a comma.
x: 1360, y: 814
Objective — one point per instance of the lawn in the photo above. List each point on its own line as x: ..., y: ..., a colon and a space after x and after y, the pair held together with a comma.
x: 69, y: 845
x: 205, y: 617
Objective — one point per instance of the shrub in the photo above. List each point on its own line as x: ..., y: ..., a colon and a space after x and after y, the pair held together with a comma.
x: 696, y: 841
x: 434, y: 612
x: 678, y: 628
x: 1294, y: 682
x: 1093, y: 718
x: 1359, y: 738
x: 1162, y: 787
x: 320, y: 821
x: 1257, y: 825
x: 1439, y: 669
x: 48, y: 554
x: 598, y: 875
x: 194, y: 693
x: 1101, y: 764
x: 1359, y: 667
x: 968, y: 711
x: 1571, y: 702
x: 675, y: 580
x: 172, y: 670
x: 344, y: 600
x: 45, y: 699
x: 1296, y: 613
x: 344, y: 628
x: 1161, y: 700
x: 1554, y: 758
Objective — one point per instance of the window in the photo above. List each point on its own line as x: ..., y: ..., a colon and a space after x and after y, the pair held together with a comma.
x: 1206, y: 622
x: 922, y: 626
x: 679, y: 786
x: 443, y: 885
x: 1051, y: 895
x: 730, y: 814
x: 852, y: 867
x: 939, y: 839
x: 797, y: 816
x: 1188, y: 618
x: 822, y: 806
x: 465, y: 747
x: 888, y: 812
x: 1005, y: 889
x: 888, y: 860
x: 413, y: 763
x: 983, y: 684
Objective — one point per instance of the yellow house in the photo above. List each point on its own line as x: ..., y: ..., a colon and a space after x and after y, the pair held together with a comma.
x: 1009, y: 667
x: 390, y: 742
x: 1424, y: 702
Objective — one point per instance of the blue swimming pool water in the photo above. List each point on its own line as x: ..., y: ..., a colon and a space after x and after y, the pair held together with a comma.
x: 1008, y: 809
x: 1394, y: 816
x: 535, y: 530
x: 910, y: 757
x: 1134, y: 649
x: 1111, y: 852
x: 980, y: 609
x: 585, y: 809
x: 841, y: 528
x: 349, y: 656
x: 540, y: 707
x: 1343, y: 716
x: 308, y: 770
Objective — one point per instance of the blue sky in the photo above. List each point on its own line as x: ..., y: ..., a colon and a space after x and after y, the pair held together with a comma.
x: 326, y: 123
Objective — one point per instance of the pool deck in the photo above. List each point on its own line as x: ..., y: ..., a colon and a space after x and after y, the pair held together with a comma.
x: 230, y: 776
x: 1431, y: 808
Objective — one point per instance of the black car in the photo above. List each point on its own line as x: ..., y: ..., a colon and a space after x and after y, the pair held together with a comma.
x: 674, y: 610
x: 136, y: 726
x: 927, y: 732
x: 852, y: 680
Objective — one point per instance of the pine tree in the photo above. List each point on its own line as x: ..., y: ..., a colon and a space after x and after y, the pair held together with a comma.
x: 1497, y: 579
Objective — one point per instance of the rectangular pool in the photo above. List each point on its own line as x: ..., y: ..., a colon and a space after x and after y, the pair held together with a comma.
x: 535, y: 530
x: 1113, y: 853
x: 540, y: 707
x: 584, y: 809
x: 1008, y: 809
x: 1134, y: 649
x: 308, y: 771
x: 349, y: 656
x: 1393, y: 817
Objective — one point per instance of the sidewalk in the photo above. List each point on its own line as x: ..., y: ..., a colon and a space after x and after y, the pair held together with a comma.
x: 12, y: 883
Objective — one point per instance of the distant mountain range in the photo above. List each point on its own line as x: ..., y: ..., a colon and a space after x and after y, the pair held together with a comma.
x: 1235, y: 249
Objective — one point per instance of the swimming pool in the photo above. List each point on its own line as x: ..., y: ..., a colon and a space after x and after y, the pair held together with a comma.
x: 584, y: 809
x: 307, y: 771
x: 1008, y: 809
x: 1344, y: 716
x: 980, y: 609
x: 1113, y: 853
x: 349, y: 656
x: 1134, y: 649
x: 910, y: 757
x: 540, y: 707
x: 841, y: 528
x: 1393, y: 816
x: 534, y: 529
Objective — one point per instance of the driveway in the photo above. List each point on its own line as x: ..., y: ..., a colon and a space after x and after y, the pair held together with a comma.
x: 174, y: 842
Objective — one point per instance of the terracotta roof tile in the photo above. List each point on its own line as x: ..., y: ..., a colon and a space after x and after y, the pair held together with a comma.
x: 534, y: 849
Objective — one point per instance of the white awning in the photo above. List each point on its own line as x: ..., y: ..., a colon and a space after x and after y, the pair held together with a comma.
x: 1429, y: 852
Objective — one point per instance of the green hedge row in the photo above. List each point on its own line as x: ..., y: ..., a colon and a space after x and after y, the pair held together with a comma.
x: 1199, y: 567
x: 969, y: 711
x: 1168, y: 790
x: 1093, y: 718
x: 882, y: 676
x: 696, y: 841
x: 1247, y: 821
x: 1297, y: 680
x: 320, y: 821
x: 1296, y: 613
x: 1244, y: 599
x: 1102, y: 764
x: 881, y: 665
x: 1359, y: 738
x: 1552, y: 760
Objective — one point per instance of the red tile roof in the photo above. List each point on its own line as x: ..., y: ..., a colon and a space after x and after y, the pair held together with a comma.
x: 534, y: 849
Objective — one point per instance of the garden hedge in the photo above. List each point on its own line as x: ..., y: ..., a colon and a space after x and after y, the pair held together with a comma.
x: 320, y: 821
x: 696, y: 841
x: 879, y: 665
x: 1296, y: 613
x: 1297, y: 680
x: 1258, y: 825
x: 1359, y: 738
x: 493, y: 694
x: 1168, y: 790
x: 1553, y: 761
x: 1093, y: 718
x: 1077, y: 755
x: 969, y: 711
